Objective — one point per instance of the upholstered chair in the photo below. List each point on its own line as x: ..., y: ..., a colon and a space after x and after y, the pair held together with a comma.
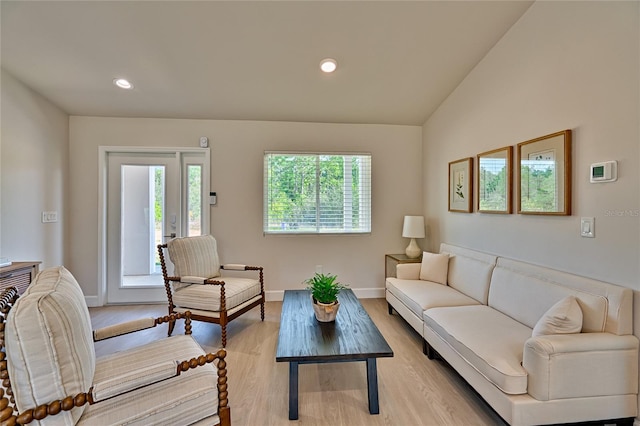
x: 197, y: 283
x: 51, y: 376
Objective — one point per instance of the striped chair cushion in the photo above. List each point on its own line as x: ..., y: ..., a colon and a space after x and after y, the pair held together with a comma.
x: 207, y: 297
x: 194, y: 256
x: 184, y: 400
x: 50, y: 350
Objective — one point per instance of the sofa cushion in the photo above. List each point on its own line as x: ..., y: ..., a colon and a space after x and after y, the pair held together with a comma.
x: 188, y: 400
x: 434, y: 267
x: 50, y: 350
x: 194, y: 256
x: 565, y: 317
x: 489, y: 341
x: 420, y: 295
x: 207, y: 297
x: 469, y: 271
x: 526, y: 298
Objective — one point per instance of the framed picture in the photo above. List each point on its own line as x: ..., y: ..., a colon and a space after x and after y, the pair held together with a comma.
x: 544, y: 175
x: 494, y: 176
x: 460, y: 185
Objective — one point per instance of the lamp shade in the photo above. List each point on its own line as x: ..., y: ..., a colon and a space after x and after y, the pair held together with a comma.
x: 413, y: 227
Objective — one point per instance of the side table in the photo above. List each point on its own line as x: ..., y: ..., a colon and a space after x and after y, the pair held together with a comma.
x: 19, y: 275
x: 393, y: 260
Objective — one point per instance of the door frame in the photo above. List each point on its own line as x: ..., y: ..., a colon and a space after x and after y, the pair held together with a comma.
x: 103, y: 158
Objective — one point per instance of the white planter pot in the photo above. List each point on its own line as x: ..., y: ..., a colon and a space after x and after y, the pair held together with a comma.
x: 325, y: 312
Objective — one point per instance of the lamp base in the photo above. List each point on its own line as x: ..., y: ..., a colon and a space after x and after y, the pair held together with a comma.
x: 413, y: 251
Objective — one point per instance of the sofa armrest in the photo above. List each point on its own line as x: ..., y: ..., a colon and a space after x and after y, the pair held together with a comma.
x: 581, y: 365
x: 408, y: 271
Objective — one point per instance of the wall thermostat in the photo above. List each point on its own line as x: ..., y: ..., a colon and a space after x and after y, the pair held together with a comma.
x: 606, y: 171
x: 204, y: 141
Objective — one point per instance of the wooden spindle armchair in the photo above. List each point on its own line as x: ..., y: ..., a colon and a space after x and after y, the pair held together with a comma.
x: 197, y: 284
x: 50, y: 373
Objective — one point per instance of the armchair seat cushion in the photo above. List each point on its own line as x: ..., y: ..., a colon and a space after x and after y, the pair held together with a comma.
x: 207, y: 297
x: 193, y: 399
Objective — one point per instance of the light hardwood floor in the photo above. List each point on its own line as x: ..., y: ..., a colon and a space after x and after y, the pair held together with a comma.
x: 413, y: 390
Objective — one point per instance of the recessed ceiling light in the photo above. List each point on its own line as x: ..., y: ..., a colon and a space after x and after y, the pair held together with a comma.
x: 328, y: 65
x: 122, y: 83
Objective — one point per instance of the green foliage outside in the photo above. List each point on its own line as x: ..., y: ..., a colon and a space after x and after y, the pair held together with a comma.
x: 324, y: 287
x: 159, y: 194
x: 194, y: 193
x: 307, y: 192
x: 493, y: 187
x: 195, y: 198
x: 538, y: 189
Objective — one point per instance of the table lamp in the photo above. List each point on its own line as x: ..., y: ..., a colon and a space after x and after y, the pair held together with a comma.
x: 413, y: 228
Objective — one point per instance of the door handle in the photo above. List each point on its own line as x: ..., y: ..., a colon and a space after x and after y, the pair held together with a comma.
x: 173, y: 235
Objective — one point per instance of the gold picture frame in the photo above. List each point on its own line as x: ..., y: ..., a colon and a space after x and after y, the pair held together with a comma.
x: 544, y: 175
x: 461, y: 185
x: 494, y: 174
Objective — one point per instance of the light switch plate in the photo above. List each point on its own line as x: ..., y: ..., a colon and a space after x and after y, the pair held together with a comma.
x: 587, y: 227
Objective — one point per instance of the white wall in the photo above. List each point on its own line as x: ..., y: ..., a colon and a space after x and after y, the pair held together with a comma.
x: 237, y: 149
x: 34, y: 175
x: 563, y: 65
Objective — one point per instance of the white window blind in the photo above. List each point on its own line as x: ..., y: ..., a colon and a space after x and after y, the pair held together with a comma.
x: 307, y: 193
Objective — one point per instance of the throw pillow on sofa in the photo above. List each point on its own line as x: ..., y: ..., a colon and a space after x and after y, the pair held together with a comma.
x: 435, y: 267
x: 565, y: 317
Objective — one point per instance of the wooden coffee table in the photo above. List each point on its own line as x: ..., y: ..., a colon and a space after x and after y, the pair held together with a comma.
x: 352, y: 337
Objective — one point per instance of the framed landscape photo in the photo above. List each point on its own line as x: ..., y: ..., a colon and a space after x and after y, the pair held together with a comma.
x: 461, y: 185
x: 544, y: 175
x: 494, y: 175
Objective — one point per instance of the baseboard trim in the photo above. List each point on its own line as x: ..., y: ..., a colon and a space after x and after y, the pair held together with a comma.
x: 361, y: 293
x: 92, y: 301
x: 276, y: 296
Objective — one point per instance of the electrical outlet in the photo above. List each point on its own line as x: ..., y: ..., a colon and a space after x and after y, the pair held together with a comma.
x: 318, y: 269
x: 48, y: 217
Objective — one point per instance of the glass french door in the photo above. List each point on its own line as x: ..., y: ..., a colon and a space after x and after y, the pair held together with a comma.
x: 151, y: 198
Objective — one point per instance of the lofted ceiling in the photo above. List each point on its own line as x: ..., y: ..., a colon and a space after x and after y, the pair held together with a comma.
x: 251, y: 60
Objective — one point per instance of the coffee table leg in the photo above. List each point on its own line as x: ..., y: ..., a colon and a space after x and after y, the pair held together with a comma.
x: 293, y: 390
x: 372, y: 386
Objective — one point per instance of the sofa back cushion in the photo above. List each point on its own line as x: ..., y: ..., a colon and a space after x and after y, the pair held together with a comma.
x: 525, y: 292
x: 469, y: 271
x: 50, y: 350
x: 194, y: 256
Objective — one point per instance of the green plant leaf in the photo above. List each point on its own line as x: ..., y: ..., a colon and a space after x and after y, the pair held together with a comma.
x: 324, y: 287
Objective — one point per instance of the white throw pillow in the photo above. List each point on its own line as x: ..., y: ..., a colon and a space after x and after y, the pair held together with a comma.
x: 564, y: 317
x: 434, y: 267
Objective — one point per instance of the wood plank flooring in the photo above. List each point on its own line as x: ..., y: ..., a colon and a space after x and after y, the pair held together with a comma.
x: 413, y: 390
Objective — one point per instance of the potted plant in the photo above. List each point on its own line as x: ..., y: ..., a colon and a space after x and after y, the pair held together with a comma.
x: 324, y: 290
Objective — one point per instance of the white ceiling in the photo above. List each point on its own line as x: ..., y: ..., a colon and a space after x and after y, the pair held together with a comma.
x: 251, y: 60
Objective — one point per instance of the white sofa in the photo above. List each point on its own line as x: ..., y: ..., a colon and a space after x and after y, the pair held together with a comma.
x: 481, y: 322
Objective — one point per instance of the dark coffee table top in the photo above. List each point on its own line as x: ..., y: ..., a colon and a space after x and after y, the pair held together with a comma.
x: 353, y: 336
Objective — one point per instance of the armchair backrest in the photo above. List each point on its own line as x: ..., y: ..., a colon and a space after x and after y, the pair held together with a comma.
x: 194, y: 256
x: 49, y: 344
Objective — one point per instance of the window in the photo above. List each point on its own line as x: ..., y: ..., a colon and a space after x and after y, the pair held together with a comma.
x: 317, y: 193
x: 194, y: 199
